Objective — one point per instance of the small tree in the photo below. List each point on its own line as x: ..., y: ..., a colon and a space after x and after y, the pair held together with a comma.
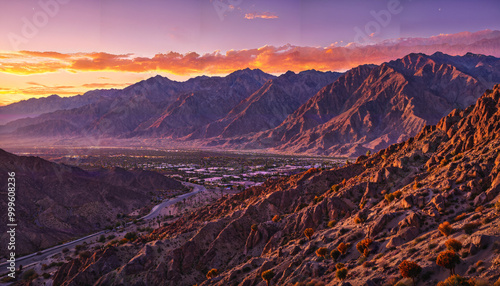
x: 445, y: 228
x: 453, y: 244
x: 342, y: 248
x: 309, y: 233
x: 212, y: 273
x: 334, y: 254
x: 410, y: 269
x: 268, y: 275
x: 339, y: 265
x: 363, y: 246
x: 341, y: 273
x: 456, y: 280
x: 321, y: 252
x: 448, y: 259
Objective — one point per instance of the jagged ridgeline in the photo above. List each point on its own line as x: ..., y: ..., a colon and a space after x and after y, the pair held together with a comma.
x: 417, y: 210
x: 366, y: 108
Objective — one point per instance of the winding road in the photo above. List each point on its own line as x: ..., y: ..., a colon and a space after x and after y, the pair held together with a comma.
x: 35, y: 257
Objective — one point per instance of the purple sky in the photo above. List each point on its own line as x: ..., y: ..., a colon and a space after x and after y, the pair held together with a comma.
x: 114, y: 43
x: 150, y: 26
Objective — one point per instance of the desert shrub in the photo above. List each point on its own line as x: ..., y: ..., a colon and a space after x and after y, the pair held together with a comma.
x: 123, y: 241
x: 335, y: 188
x: 268, y: 275
x: 212, y: 273
x: 254, y: 227
x: 453, y: 244
x: 342, y: 248
x: 309, y: 233
x: 359, y: 219
x: 469, y: 228
x: 410, y: 269
x: 456, y: 280
x: 317, y: 199
x: 389, y: 197
x: 46, y: 275
x: 432, y: 245
x: 102, y: 238
x: 321, y: 252
x: 341, y: 273
x: 398, y: 194
x: 479, y: 209
x: 85, y: 255
x: 363, y: 246
x: 445, y: 228
x: 334, y: 254
x: 276, y: 218
x: 497, y: 206
x: 29, y: 275
x: 448, y: 259
x: 131, y: 236
x: 110, y: 237
x: 332, y: 223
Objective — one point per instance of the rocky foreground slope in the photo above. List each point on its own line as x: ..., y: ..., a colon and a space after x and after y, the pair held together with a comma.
x: 379, y: 211
x: 56, y: 202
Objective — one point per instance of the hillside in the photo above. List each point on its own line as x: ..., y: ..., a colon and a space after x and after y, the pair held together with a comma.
x: 59, y: 202
x: 394, y: 201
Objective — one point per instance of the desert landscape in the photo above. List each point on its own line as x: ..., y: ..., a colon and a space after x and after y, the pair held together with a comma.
x: 250, y: 143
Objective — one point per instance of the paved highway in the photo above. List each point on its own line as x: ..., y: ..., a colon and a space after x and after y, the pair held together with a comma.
x: 35, y: 257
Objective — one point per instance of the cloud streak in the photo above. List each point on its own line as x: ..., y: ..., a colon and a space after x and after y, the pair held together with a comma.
x: 261, y: 15
x: 270, y: 59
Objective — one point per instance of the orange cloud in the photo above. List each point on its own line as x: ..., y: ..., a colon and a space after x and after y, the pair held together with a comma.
x: 263, y: 15
x: 105, y: 85
x: 268, y: 58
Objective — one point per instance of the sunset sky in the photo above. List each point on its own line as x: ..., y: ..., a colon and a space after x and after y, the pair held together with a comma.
x: 67, y: 47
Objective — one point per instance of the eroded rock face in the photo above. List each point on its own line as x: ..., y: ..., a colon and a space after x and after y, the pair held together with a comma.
x: 432, y: 190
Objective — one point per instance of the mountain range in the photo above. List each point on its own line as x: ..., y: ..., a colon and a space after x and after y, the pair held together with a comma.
x: 366, y: 108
